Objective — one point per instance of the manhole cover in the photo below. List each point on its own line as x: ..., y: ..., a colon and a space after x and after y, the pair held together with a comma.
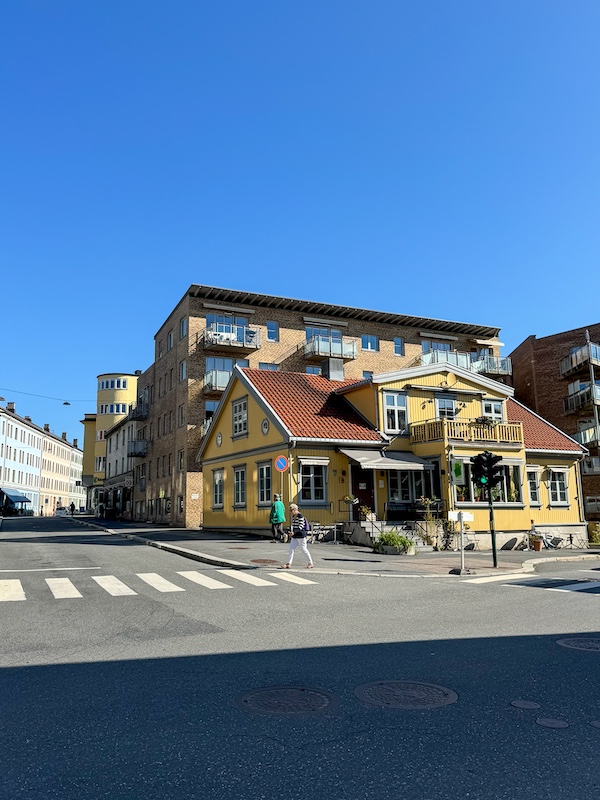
x: 287, y: 701
x: 263, y: 561
x: 525, y: 704
x: 547, y: 722
x: 580, y: 644
x: 595, y: 723
x: 405, y: 694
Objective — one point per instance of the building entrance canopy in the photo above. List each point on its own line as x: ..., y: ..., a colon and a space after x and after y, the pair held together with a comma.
x: 15, y: 497
x: 396, y: 460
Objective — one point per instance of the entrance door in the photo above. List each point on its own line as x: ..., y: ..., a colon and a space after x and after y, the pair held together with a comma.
x: 362, y: 487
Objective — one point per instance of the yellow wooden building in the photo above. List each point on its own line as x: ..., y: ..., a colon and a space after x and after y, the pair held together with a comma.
x: 395, y: 443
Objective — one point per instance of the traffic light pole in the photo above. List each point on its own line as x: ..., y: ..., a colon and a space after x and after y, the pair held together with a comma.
x: 492, y: 528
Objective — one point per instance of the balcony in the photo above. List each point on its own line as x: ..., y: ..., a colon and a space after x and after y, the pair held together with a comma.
x: 588, y: 436
x: 470, y: 430
x: 215, y: 381
x: 137, y: 448
x: 138, y: 412
x: 225, y: 336
x: 591, y: 465
x: 585, y: 398
x: 328, y: 347
x: 485, y: 365
x: 578, y: 360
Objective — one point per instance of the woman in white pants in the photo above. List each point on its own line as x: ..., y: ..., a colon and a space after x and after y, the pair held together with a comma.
x: 298, y: 538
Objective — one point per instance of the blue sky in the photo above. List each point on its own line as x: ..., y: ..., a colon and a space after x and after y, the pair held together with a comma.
x: 433, y: 158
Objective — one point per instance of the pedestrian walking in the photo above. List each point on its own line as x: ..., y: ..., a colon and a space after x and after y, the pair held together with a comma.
x: 277, y: 518
x: 72, y: 508
x: 298, y: 537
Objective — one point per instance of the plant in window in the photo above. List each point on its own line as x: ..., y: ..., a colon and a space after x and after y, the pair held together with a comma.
x: 461, y: 494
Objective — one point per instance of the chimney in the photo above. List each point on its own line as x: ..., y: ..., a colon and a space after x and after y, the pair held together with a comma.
x: 27, y: 419
x: 333, y: 368
x: 47, y: 427
x: 74, y: 442
x: 138, y: 372
x: 10, y: 407
x: 64, y: 436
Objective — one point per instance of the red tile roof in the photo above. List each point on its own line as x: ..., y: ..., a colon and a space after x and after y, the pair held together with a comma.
x: 308, y: 407
x: 539, y: 434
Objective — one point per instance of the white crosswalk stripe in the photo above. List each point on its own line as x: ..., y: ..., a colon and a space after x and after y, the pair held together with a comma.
x: 288, y: 576
x: 159, y: 583
x: 11, y: 590
x: 204, y: 580
x: 112, y: 585
x: 62, y: 588
x: 246, y: 578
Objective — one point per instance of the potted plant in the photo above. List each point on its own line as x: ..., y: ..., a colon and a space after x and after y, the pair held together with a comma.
x: 535, y: 542
x: 392, y: 543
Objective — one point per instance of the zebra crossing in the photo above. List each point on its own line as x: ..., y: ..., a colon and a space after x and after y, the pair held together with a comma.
x: 580, y: 585
x: 12, y: 589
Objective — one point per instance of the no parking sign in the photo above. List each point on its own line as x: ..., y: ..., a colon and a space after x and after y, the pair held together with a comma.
x: 281, y: 464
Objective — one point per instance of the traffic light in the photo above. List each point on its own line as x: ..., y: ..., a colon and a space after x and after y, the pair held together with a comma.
x: 486, y: 471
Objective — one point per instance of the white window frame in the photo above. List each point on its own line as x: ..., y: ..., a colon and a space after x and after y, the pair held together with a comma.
x: 558, y: 490
x: 314, y: 474
x: 396, y: 409
x: 493, y: 413
x: 218, y: 488
x: 438, y: 410
x: 369, y: 342
x: 239, y: 417
x: 265, y: 483
x: 182, y: 370
x: 535, y: 472
x: 239, y: 486
x: 272, y: 330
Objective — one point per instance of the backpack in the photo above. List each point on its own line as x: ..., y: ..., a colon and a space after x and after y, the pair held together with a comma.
x: 306, y: 524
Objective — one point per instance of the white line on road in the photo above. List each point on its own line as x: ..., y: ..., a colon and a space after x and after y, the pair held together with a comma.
x: 204, y: 580
x: 492, y: 578
x: 159, y: 583
x: 47, y: 569
x: 112, y: 585
x: 245, y: 578
x: 11, y: 590
x: 287, y: 576
x: 574, y: 587
x: 62, y: 588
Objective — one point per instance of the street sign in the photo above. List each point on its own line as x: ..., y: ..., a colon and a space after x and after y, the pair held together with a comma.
x: 281, y: 463
x: 466, y: 515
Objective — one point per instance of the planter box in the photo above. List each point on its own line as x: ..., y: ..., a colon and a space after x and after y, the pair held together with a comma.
x: 388, y: 550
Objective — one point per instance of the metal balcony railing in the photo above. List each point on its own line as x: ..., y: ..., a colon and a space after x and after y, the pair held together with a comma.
x: 216, y: 380
x: 591, y: 465
x: 138, y: 412
x: 328, y: 347
x: 487, y: 365
x: 585, y: 397
x: 137, y: 447
x: 467, y: 431
x: 588, y: 435
x: 589, y: 353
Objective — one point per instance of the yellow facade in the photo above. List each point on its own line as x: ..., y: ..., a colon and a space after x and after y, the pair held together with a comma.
x: 537, y: 486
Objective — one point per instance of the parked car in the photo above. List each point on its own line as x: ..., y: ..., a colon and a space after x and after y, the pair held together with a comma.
x: 61, y: 511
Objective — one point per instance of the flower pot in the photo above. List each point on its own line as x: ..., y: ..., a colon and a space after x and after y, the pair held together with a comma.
x: 537, y: 545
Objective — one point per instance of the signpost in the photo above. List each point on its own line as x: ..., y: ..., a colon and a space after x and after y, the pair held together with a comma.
x: 461, y: 517
x: 281, y: 465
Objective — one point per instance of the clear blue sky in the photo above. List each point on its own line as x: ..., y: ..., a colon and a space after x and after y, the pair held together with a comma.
x: 434, y: 158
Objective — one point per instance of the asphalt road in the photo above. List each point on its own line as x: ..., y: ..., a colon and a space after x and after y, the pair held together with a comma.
x: 160, y: 690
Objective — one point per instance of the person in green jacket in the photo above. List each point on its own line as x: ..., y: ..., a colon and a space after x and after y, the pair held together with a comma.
x: 277, y: 517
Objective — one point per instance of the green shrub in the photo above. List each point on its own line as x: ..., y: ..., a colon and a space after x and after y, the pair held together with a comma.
x: 393, y: 539
x: 594, y: 535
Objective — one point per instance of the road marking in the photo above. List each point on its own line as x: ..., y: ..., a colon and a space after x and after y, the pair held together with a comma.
x: 159, y: 583
x: 492, y: 578
x: 47, y: 569
x: 204, y: 580
x: 287, y: 576
x: 575, y: 587
x: 11, y: 590
x: 62, y: 587
x: 245, y: 578
x: 112, y: 585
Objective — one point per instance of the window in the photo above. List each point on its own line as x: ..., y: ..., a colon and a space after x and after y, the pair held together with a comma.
x: 398, y: 345
x: 272, y: 331
x: 180, y: 416
x: 218, y: 488
x: 264, y: 483
x: 232, y: 327
x: 592, y: 504
x: 312, y: 482
x: 507, y: 491
x: 159, y: 349
x: 533, y: 483
x: 182, y: 370
x: 314, y: 370
x: 428, y: 346
x: 267, y: 366
x: 239, y: 486
x: 493, y: 409
x: 182, y: 327
x: 367, y: 374
x: 369, y: 342
x: 395, y: 412
x: 169, y: 340
x: 557, y: 488
x: 180, y: 462
x: 210, y: 407
x: 240, y: 417
x: 445, y: 407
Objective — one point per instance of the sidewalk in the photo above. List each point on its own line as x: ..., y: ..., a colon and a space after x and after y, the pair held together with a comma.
x: 246, y: 551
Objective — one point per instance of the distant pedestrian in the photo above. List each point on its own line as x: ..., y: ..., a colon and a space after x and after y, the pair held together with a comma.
x: 72, y: 508
x: 298, y: 538
x: 101, y: 510
x: 277, y: 518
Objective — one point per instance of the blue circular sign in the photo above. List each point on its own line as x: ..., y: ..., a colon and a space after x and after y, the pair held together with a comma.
x: 281, y: 463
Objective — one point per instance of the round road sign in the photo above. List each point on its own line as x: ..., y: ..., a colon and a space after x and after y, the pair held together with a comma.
x: 281, y: 463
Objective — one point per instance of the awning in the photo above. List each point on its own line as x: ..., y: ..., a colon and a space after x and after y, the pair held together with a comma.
x: 15, y: 497
x: 375, y: 459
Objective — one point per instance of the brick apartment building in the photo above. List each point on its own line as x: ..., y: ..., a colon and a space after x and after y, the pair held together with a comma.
x: 558, y: 377
x: 212, y: 329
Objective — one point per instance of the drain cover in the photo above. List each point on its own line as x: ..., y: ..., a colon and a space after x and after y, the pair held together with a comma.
x: 263, y: 561
x: 287, y: 701
x: 547, y: 722
x: 580, y: 644
x: 405, y: 694
x: 525, y: 704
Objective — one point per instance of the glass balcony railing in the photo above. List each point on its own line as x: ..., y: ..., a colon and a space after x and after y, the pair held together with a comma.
x: 488, y: 365
x: 589, y: 353
x: 137, y: 447
x: 588, y: 435
x: 229, y: 335
x: 582, y: 399
x: 329, y: 347
x: 216, y: 380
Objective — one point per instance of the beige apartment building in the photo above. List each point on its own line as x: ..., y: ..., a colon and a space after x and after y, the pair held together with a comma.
x: 212, y: 329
